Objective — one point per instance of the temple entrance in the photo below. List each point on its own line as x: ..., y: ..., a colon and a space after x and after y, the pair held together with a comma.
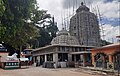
x: 116, y: 58
x: 49, y: 57
x: 76, y: 57
x: 83, y: 59
x: 62, y: 56
x: 101, y: 60
x: 42, y: 59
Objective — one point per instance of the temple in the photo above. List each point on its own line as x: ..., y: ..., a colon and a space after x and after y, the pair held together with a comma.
x: 85, y: 27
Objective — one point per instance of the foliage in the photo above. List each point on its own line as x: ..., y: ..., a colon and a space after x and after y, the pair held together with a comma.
x: 17, y: 29
x: 46, y: 26
x: 2, y: 8
x: 104, y: 42
x: 22, y: 22
x: 48, y: 29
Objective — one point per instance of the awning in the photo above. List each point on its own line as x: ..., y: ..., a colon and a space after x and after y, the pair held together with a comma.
x: 24, y: 59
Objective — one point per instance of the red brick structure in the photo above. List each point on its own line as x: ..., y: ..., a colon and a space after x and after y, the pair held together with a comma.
x: 107, y: 56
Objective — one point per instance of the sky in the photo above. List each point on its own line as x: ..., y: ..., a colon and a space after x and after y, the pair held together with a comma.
x: 109, y: 11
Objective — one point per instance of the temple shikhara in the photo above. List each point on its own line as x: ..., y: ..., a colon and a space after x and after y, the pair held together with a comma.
x: 85, y: 27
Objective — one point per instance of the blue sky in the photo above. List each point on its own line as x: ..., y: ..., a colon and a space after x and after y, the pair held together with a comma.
x: 109, y: 10
x: 113, y: 22
x: 108, y: 1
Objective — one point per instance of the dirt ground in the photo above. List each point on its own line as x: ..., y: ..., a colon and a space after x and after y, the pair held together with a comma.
x: 38, y: 71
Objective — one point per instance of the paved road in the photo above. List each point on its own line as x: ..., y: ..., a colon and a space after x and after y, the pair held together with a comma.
x: 38, y: 71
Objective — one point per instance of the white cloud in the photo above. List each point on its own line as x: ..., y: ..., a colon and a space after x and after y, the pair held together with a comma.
x: 108, y: 10
x: 111, y: 32
x: 54, y: 7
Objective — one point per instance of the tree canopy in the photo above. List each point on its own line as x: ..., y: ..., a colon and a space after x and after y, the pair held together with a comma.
x: 47, y: 29
x: 15, y: 28
x: 22, y: 22
x: 2, y: 8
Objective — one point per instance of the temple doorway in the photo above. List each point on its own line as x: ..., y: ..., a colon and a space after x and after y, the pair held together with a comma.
x: 76, y: 57
x: 62, y: 57
x: 49, y: 57
x: 42, y: 59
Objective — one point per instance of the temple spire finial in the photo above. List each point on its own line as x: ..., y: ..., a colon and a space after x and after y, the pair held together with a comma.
x: 82, y: 3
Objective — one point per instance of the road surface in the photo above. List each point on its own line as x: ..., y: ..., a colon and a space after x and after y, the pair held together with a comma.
x: 38, y: 71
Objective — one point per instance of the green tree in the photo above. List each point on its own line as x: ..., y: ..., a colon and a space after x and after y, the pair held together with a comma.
x: 22, y: 21
x: 15, y: 20
x: 2, y: 8
x: 47, y: 32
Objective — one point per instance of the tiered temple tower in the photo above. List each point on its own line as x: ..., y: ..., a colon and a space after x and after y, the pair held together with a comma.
x: 84, y: 26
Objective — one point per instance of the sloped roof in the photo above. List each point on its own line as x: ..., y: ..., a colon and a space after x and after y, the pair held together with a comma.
x: 65, y: 38
x: 109, y: 46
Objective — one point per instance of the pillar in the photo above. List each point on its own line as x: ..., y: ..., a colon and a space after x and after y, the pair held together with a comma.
x: 110, y: 63
x: 93, y: 61
x: 34, y: 59
x: 69, y: 57
x: 74, y: 58
x: 45, y: 58
x: 83, y: 58
x: 110, y: 59
x: 38, y: 58
x: 55, y: 57
x: 38, y: 61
